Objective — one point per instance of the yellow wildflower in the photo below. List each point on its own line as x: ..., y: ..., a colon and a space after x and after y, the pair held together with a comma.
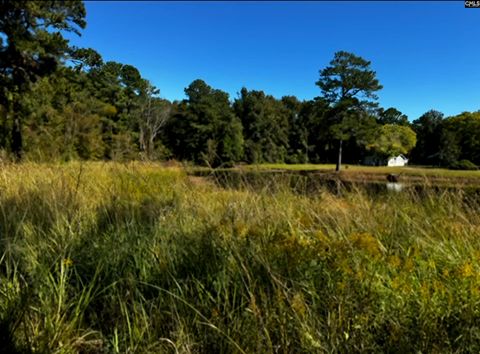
x: 215, y: 313
x: 425, y: 291
x: 438, y: 287
x: 366, y: 242
x: 298, y: 304
x: 474, y: 291
x: 467, y: 270
x: 409, y: 264
x: 396, y: 283
x: 360, y: 274
x: 394, y: 261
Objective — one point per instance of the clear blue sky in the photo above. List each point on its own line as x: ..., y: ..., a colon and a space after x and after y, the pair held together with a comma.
x: 426, y: 54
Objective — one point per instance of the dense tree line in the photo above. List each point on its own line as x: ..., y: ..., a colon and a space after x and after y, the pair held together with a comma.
x: 59, y: 102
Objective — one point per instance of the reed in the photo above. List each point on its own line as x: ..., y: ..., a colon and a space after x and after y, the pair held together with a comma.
x: 139, y: 258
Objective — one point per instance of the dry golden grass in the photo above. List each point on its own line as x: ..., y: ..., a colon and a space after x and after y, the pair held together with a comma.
x: 139, y: 257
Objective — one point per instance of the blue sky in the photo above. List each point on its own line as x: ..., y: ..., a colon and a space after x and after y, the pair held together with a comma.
x: 426, y: 54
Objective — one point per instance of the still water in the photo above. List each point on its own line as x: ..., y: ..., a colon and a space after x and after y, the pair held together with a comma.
x: 310, y: 183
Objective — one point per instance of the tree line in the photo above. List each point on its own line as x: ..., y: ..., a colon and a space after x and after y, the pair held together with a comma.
x: 59, y: 102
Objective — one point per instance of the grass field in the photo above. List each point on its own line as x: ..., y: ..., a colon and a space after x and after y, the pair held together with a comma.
x: 407, y: 170
x: 139, y: 258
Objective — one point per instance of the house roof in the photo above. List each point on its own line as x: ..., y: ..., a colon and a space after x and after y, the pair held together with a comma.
x: 401, y: 155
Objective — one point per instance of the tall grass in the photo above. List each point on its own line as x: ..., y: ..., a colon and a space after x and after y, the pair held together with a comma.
x: 135, y: 258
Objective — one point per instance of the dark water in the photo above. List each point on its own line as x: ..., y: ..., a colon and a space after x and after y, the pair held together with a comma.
x: 312, y: 182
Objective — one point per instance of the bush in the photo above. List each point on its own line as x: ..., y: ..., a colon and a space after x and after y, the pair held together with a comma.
x: 463, y: 165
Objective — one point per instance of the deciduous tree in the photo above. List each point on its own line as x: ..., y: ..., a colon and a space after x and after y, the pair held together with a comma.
x: 392, y: 139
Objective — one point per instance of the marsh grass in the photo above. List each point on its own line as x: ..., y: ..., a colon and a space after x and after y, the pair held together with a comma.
x: 136, y: 258
x: 423, y: 171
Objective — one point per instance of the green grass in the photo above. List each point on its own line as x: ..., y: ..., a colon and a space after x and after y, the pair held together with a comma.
x: 136, y: 258
x: 407, y: 170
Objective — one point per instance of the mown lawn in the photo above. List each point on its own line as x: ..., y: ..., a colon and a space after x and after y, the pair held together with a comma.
x: 138, y: 258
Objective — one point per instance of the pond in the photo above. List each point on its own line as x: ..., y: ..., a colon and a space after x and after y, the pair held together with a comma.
x: 312, y: 182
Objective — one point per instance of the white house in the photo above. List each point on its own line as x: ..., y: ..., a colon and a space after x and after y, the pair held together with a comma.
x: 399, y: 160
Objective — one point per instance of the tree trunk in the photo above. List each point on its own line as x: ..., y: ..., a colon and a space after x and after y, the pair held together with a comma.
x: 143, y: 145
x: 3, y: 128
x: 339, y: 161
x: 151, y: 147
x: 17, y: 141
x: 305, y: 145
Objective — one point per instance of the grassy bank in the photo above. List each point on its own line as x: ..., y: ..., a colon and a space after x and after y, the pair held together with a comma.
x: 414, y: 174
x: 135, y: 258
x: 407, y: 170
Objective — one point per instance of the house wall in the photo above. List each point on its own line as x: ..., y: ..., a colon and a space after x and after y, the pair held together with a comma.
x: 396, y: 161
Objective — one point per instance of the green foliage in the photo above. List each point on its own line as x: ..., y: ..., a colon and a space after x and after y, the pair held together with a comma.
x: 445, y: 141
x: 120, y: 86
x: 430, y: 148
x: 32, y: 48
x: 311, y: 137
x: 466, y: 128
x: 62, y: 122
x: 204, y: 129
x: 349, y: 85
x: 265, y: 123
x: 85, y: 58
x: 392, y: 116
x: 348, y: 76
x: 392, y: 140
x: 352, y: 123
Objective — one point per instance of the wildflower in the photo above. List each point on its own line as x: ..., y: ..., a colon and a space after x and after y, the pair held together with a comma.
x: 438, y: 287
x: 474, y: 291
x: 425, y: 291
x: 215, y: 313
x: 67, y: 262
x: 298, y: 304
x: 341, y: 285
x: 303, y: 241
x: 366, y: 242
x: 394, y: 261
x: 409, y: 264
x: 344, y: 266
x: 405, y: 288
x: 396, y: 283
x: 467, y: 270
x: 311, y: 341
x: 240, y: 230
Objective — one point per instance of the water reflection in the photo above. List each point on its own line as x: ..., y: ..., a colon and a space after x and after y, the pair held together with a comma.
x: 310, y: 183
x: 395, y: 186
